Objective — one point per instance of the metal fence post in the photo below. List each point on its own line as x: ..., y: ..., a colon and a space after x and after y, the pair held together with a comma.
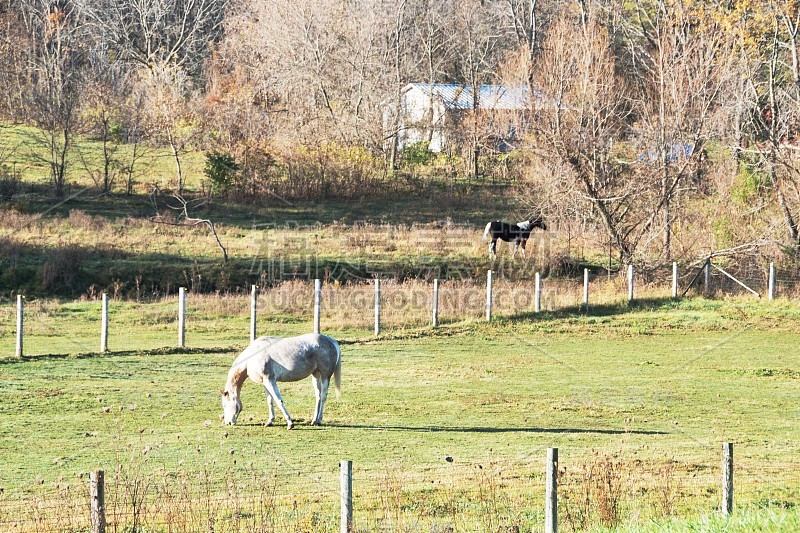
x: 253, y: 312
x: 551, y: 492
x: 104, y: 323
x: 630, y: 283
x: 674, y: 280
x: 489, y: 295
x: 317, y: 304
x: 435, y: 303
x: 346, y: 495
x: 771, y: 281
x: 586, y: 290
x: 181, y: 317
x: 20, y: 324
x: 537, y: 293
x: 377, y: 307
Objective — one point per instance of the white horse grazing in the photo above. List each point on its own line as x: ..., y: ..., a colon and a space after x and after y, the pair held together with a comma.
x: 271, y: 359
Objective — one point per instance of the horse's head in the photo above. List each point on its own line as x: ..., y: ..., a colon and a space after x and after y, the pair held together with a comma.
x: 231, y: 407
x: 538, y: 222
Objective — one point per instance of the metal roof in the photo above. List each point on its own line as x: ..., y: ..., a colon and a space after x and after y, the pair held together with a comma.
x: 458, y: 96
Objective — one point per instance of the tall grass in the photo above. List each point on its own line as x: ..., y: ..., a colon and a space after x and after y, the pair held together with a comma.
x: 602, y: 492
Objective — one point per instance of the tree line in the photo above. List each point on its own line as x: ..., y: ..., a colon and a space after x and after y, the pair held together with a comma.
x: 665, y: 121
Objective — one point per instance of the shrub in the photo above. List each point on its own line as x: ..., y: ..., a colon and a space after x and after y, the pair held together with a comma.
x: 9, y: 183
x: 417, y: 154
x: 59, y: 273
x: 222, y: 171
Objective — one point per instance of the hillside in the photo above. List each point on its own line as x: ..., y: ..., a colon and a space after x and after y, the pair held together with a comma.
x: 113, y: 242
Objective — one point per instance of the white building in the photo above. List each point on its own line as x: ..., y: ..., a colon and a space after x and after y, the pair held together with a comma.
x: 433, y: 112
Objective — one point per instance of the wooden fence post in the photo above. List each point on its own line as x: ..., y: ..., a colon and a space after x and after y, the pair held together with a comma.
x: 771, y: 281
x: 727, y: 478
x: 435, y: 303
x: 551, y: 492
x: 98, y: 503
x: 537, y: 293
x: 586, y: 290
x: 253, y: 312
x: 20, y: 324
x: 181, y: 317
x: 317, y: 304
x: 104, y: 323
x: 489, y: 295
x: 630, y: 283
x: 346, y: 495
x: 674, y: 280
x: 377, y: 307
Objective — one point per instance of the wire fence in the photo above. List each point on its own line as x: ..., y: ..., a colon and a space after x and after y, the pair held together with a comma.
x: 595, y: 489
x: 151, y: 324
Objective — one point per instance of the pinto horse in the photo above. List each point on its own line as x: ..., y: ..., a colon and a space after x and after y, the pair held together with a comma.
x: 517, y: 233
x: 271, y: 359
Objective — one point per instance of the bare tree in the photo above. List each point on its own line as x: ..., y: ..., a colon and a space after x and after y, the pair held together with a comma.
x: 102, y: 107
x: 587, y: 112
x: 478, y: 57
x: 773, y: 88
x: 15, y: 45
x: 52, y: 102
x: 157, y: 33
x: 169, y: 114
x: 683, y: 60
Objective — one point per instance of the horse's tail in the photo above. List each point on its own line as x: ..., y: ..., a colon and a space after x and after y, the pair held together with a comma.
x: 337, y: 371
x: 487, y: 230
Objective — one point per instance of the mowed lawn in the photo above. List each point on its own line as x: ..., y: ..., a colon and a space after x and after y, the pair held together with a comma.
x: 444, y: 427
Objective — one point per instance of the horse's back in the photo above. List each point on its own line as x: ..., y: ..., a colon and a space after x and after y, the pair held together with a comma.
x: 297, y: 357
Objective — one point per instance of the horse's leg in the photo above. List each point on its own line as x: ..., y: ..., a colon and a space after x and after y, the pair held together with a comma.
x: 271, y: 409
x: 492, y: 246
x: 321, y: 390
x: 272, y: 389
x: 523, y: 242
x: 317, y: 393
x: 516, y: 245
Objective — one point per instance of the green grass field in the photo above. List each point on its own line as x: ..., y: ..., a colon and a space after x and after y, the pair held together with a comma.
x: 447, y: 428
x: 638, y: 400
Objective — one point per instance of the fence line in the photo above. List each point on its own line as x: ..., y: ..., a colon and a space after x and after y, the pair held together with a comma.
x: 522, y: 299
x: 600, y: 485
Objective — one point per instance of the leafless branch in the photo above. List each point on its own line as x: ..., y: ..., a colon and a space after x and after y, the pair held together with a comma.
x: 185, y: 219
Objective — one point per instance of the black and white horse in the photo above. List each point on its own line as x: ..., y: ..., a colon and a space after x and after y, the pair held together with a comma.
x: 518, y: 233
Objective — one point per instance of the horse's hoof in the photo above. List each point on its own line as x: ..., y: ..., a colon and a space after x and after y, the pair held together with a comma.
x: 290, y: 425
x: 268, y: 423
x: 315, y: 423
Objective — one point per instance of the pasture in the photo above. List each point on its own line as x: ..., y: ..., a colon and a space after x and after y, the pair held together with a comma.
x: 447, y: 428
